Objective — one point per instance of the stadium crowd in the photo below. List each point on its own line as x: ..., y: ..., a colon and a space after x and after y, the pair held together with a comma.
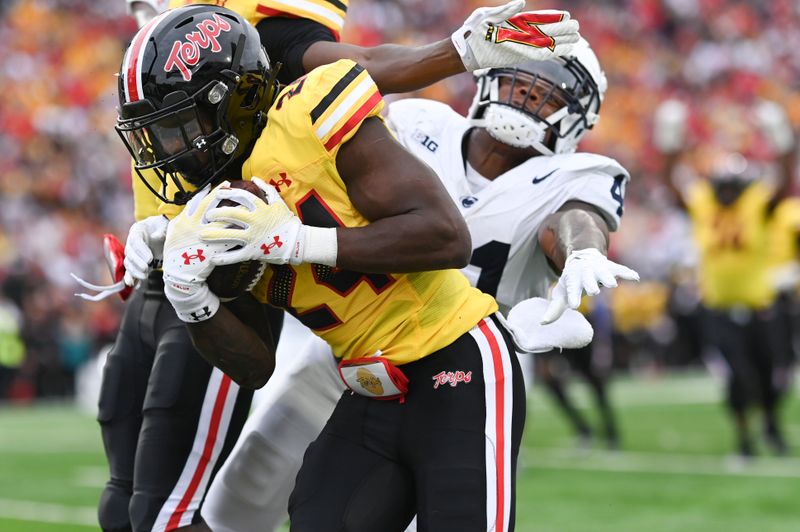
x: 65, y: 177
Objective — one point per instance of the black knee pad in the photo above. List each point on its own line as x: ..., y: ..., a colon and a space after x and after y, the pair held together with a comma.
x: 112, y: 512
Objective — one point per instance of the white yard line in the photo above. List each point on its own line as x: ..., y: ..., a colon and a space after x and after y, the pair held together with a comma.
x: 661, y: 463
x: 39, y: 512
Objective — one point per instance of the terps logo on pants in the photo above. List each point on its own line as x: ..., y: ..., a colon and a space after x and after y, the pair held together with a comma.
x: 187, y: 259
x: 187, y: 53
x: 369, y: 381
x: 452, y: 378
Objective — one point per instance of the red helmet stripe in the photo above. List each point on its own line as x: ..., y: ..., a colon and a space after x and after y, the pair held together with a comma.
x: 131, y: 64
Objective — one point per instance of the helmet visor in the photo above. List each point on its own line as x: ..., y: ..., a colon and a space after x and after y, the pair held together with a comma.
x: 161, y: 138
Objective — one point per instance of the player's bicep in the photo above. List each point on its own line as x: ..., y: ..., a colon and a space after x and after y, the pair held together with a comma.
x: 383, y: 179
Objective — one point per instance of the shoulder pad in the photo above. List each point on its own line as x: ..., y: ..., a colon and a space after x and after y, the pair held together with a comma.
x: 410, y: 114
x: 333, y: 100
x: 583, y: 164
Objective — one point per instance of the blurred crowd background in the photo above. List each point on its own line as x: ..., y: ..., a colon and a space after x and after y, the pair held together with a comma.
x: 65, y: 176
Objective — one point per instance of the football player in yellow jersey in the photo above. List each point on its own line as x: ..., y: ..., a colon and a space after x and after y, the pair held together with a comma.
x: 785, y: 275
x: 186, y: 497
x: 195, y: 86
x: 731, y: 214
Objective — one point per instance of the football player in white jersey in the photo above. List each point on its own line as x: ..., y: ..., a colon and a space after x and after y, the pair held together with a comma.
x: 535, y: 209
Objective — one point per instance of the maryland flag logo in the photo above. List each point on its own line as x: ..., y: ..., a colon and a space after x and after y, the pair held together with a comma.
x: 369, y: 381
x: 524, y: 30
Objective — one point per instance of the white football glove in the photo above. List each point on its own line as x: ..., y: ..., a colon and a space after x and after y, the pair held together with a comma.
x: 585, y: 271
x: 570, y: 331
x: 188, y: 262
x: 268, y: 232
x: 144, y: 248
x: 669, y: 126
x: 495, y: 37
x: 145, y: 10
x: 775, y: 124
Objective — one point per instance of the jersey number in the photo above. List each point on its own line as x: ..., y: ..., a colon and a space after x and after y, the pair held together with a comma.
x: 491, y: 259
x: 618, y: 192
x: 313, y: 211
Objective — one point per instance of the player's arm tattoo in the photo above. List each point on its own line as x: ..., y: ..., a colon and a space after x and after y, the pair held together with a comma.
x: 238, y: 340
x: 577, y: 225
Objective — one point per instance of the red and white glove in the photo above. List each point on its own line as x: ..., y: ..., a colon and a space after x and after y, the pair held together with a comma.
x: 266, y: 231
x: 503, y: 36
x: 585, y: 271
x: 115, y: 255
x: 188, y: 262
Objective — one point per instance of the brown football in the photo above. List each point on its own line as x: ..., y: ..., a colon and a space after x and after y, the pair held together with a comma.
x: 231, y: 281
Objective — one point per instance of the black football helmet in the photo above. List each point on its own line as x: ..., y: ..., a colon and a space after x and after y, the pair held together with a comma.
x: 194, y: 89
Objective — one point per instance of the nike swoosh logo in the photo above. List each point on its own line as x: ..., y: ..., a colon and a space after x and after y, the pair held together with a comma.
x: 537, y: 180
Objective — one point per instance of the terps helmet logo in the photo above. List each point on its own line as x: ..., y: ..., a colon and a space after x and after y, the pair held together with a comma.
x: 369, y: 381
x: 187, y: 53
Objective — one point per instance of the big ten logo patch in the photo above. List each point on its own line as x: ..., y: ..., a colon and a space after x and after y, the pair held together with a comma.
x: 426, y: 141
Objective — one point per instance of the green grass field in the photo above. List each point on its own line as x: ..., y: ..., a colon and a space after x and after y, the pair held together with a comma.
x: 673, y: 473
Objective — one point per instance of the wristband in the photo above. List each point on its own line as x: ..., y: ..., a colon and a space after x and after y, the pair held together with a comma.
x: 320, y: 245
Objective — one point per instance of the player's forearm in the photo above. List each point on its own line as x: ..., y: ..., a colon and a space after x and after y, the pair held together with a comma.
x: 394, y: 68
x: 235, y: 348
x: 574, y: 229
x: 404, y: 243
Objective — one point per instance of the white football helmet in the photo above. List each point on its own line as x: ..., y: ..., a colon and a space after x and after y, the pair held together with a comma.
x: 576, y: 82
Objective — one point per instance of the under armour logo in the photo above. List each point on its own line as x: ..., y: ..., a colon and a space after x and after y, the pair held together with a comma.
x: 197, y: 316
x: 276, y: 242
x: 282, y: 181
x: 200, y: 143
x: 187, y: 259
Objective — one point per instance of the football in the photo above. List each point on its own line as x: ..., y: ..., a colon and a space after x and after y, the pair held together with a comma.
x: 231, y: 281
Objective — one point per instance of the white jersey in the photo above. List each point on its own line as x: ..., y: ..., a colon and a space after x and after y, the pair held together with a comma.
x: 504, y: 216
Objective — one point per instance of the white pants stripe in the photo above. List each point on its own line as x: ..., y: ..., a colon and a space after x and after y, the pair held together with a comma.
x: 215, y: 417
x: 498, y: 383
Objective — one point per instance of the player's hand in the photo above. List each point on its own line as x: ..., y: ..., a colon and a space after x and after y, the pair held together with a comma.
x: 266, y: 231
x: 503, y: 36
x: 775, y: 125
x: 144, y: 248
x: 669, y: 126
x: 585, y: 271
x: 188, y: 262
x: 145, y: 10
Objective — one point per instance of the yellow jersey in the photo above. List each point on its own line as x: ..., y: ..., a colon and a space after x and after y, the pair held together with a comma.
x: 784, y: 231
x: 733, y: 242
x: 329, y: 13
x: 403, y: 316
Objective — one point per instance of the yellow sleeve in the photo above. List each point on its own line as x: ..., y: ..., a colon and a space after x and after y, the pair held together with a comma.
x: 329, y: 13
x: 346, y: 96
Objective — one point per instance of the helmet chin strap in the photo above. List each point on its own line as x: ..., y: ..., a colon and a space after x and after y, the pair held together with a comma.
x: 513, y: 128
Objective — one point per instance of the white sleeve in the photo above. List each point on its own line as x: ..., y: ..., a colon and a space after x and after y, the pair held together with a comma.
x: 158, y: 5
x: 605, y: 192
